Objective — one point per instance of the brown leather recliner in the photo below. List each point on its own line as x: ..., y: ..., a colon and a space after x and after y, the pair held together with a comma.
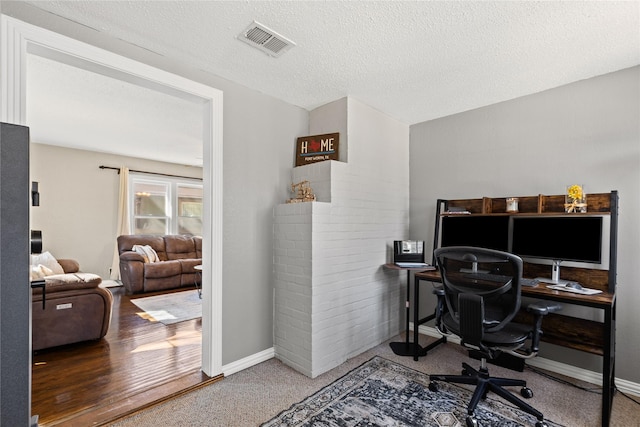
x: 178, y: 255
x: 75, y: 308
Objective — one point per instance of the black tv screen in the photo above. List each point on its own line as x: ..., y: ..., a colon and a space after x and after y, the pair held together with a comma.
x: 490, y: 232
x: 562, y: 238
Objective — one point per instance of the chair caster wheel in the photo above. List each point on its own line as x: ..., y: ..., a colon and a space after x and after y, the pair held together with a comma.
x: 472, y: 422
x: 433, y: 386
x: 541, y: 424
x: 526, y: 392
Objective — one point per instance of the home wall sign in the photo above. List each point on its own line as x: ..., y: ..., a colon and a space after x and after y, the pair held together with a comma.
x: 317, y: 148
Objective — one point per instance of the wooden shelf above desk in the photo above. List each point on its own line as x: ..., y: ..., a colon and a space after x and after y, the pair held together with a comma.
x: 540, y: 204
x: 597, y: 204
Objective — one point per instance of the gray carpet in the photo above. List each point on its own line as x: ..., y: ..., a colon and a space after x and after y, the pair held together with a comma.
x: 172, y: 307
x: 257, y: 394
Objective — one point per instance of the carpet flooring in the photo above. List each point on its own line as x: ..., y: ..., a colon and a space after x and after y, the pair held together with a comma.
x: 253, y: 396
x: 170, y: 308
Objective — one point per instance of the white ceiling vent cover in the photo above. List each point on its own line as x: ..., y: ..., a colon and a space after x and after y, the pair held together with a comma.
x: 265, y: 39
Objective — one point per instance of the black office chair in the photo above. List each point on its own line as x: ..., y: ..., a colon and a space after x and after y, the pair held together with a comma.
x: 481, y: 290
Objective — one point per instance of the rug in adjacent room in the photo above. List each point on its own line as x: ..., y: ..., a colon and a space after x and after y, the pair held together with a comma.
x: 171, y: 308
x: 383, y: 393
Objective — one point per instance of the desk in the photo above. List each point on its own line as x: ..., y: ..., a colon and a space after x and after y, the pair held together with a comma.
x: 584, y: 335
x: 408, y: 348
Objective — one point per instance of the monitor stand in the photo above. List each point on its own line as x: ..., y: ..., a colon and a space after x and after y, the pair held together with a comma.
x: 555, y: 275
x: 474, y: 269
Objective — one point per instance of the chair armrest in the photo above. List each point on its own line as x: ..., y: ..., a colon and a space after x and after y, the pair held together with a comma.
x: 539, y: 310
x: 131, y: 256
x: 542, y: 308
x: 438, y: 290
x: 132, y: 267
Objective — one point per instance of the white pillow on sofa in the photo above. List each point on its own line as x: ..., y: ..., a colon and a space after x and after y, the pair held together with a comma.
x: 147, y: 252
x: 47, y: 260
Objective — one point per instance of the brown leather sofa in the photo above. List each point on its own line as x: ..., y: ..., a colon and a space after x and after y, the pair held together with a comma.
x: 178, y: 255
x: 75, y: 308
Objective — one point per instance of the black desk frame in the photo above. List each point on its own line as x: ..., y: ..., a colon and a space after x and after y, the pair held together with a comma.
x: 609, y: 342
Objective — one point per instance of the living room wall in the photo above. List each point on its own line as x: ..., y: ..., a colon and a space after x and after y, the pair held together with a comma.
x: 587, y: 132
x: 79, y: 201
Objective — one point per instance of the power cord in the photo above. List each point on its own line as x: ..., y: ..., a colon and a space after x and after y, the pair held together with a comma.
x: 590, y: 390
x: 596, y: 390
x: 627, y: 396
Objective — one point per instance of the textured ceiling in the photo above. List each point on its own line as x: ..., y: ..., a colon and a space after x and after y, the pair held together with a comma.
x: 415, y: 61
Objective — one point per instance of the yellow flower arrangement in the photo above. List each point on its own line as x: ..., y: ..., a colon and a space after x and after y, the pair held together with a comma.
x: 575, y: 192
x: 575, y: 199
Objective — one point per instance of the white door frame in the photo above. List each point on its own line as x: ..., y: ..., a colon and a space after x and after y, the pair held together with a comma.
x: 19, y: 39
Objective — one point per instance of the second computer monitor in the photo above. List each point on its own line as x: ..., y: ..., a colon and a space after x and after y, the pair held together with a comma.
x: 490, y: 231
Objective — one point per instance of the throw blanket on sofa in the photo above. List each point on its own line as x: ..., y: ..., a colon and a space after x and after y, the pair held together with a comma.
x: 146, y: 252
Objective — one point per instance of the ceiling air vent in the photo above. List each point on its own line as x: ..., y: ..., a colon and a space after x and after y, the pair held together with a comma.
x: 265, y: 39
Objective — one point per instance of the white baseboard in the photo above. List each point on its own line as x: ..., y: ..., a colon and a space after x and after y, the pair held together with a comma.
x: 248, y: 361
x: 538, y: 362
x: 628, y: 387
x: 553, y: 366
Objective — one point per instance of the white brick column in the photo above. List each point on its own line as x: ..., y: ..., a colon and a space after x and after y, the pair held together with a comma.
x: 333, y: 299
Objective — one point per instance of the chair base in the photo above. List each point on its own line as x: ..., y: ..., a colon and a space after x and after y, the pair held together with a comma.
x: 484, y: 384
x: 503, y: 360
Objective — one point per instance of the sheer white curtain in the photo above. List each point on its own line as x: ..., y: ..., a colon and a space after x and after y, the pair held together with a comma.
x: 123, y: 226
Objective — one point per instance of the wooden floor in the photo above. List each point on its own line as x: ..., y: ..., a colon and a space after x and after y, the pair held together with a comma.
x: 137, y: 364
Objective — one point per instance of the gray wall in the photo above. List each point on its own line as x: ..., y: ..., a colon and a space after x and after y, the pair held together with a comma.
x: 259, y: 143
x: 587, y: 133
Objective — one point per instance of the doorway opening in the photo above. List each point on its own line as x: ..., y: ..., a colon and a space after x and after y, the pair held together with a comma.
x: 20, y: 39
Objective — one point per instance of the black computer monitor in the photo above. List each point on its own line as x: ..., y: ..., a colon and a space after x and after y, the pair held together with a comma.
x: 576, y: 240
x: 483, y: 231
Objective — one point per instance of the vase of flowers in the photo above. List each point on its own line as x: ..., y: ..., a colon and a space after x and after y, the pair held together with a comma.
x: 575, y: 199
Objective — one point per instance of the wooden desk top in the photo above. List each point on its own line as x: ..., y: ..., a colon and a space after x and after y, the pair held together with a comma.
x: 602, y: 300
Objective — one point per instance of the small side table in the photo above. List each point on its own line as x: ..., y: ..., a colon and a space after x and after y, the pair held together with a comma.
x: 198, y: 269
x: 408, y: 348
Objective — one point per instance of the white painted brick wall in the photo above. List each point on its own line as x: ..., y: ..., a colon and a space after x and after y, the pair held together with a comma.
x: 292, y: 296
x: 333, y: 299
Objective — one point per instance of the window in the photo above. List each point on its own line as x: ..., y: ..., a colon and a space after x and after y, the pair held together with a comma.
x: 189, y: 209
x: 165, y: 206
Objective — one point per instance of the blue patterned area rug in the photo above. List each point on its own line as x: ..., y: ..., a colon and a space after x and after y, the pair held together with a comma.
x: 383, y: 393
